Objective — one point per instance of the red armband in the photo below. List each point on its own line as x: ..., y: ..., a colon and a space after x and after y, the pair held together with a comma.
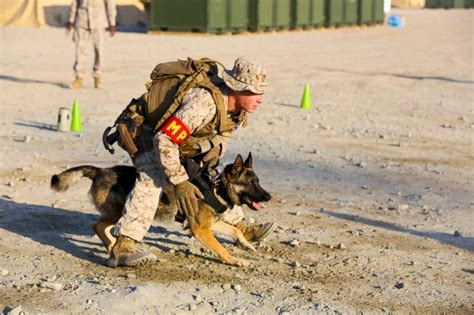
x: 176, y: 129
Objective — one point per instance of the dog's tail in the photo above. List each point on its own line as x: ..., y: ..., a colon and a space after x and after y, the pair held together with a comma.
x: 64, y: 180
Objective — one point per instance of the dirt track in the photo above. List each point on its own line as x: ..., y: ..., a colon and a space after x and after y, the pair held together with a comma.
x: 373, y: 182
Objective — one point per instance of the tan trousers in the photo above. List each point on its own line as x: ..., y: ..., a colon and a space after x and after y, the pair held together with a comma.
x: 82, y: 38
x: 142, y: 202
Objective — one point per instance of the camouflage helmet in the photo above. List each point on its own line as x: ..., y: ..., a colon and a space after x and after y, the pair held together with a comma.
x: 246, y: 76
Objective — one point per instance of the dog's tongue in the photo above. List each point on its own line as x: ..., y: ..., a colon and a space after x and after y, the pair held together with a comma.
x: 256, y: 205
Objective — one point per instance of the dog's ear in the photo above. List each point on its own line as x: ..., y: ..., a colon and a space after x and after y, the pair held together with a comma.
x: 248, y: 161
x: 238, y: 165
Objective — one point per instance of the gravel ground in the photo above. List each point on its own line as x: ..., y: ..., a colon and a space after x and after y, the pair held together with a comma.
x: 372, y: 187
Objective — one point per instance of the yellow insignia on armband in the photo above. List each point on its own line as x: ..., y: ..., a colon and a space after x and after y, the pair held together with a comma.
x: 176, y: 129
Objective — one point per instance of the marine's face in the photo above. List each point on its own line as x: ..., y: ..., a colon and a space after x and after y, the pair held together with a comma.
x: 248, y: 101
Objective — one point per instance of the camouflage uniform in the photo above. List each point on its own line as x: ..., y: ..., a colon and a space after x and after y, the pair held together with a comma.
x: 90, y: 18
x: 160, y: 165
x: 157, y: 170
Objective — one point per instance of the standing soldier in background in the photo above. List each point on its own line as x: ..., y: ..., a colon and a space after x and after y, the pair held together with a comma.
x: 89, y: 19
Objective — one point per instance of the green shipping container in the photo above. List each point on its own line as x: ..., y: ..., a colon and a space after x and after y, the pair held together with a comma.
x: 449, y: 4
x: 282, y: 14
x: 334, y: 12
x: 350, y: 12
x: 189, y: 15
x: 432, y: 4
x: 260, y: 15
x: 318, y: 13
x: 300, y: 13
x: 366, y: 12
x: 237, y: 15
x: 379, y: 14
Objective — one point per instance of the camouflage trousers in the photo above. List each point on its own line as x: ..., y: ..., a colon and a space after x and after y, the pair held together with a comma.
x: 142, y: 201
x: 82, y: 38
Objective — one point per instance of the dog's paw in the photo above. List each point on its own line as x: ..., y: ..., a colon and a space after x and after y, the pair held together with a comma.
x: 250, y: 247
x: 241, y: 263
x: 245, y: 245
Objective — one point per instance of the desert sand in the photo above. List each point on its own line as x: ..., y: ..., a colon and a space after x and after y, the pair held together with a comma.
x: 372, y: 187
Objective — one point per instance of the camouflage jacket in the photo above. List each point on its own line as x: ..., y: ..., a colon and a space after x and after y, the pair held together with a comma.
x: 93, y: 14
x: 196, y: 111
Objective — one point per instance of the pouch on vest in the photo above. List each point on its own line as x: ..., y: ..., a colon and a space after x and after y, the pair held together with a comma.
x: 128, y: 127
x: 170, y: 82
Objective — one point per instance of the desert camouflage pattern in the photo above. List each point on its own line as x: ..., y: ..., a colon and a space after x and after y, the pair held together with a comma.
x: 197, y: 110
x: 158, y: 170
x: 246, y: 76
x: 92, y: 14
x: 142, y: 201
x: 82, y: 38
x: 90, y: 18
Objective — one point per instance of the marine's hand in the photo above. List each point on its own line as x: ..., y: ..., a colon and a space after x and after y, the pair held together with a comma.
x: 186, y: 198
x: 112, y: 30
x: 68, y: 28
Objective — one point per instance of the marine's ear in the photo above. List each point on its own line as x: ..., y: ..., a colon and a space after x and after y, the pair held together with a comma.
x: 248, y: 161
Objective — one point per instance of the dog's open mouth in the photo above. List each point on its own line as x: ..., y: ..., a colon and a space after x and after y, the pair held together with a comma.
x: 254, y: 205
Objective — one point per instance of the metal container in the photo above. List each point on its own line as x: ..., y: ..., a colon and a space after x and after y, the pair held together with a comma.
x: 260, y: 15
x: 237, y: 15
x: 334, y: 12
x: 350, y: 12
x: 449, y: 4
x: 366, y: 12
x: 379, y: 14
x: 300, y: 14
x: 432, y: 4
x: 64, y: 119
x: 282, y: 14
x: 318, y: 13
x: 189, y: 15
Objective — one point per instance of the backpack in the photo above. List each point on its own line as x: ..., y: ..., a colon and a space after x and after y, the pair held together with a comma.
x: 170, y: 82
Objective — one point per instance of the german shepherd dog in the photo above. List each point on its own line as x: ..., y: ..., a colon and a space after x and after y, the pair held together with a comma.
x: 237, y: 184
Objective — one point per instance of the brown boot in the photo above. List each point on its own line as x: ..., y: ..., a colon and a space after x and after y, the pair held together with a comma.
x: 126, y: 254
x: 256, y: 232
x: 97, y: 83
x: 76, y: 84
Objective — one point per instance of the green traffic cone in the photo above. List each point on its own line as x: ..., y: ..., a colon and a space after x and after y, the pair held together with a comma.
x: 306, y: 99
x: 76, y: 124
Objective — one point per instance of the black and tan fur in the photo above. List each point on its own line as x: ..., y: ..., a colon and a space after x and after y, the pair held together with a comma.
x: 237, y: 185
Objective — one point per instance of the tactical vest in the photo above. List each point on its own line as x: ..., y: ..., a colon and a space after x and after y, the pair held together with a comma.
x: 170, y: 83
x: 210, y: 136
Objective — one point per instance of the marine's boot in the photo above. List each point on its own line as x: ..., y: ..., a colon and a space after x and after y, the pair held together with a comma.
x: 256, y: 232
x: 126, y: 254
x: 76, y: 84
x: 97, y: 83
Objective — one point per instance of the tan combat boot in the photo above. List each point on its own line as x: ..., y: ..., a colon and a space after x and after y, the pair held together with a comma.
x: 126, y: 254
x: 97, y: 83
x: 256, y: 232
x: 76, y: 84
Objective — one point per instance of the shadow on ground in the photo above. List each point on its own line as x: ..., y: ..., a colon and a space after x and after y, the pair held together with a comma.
x: 466, y: 243
x: 35, y: 124
x: 64, y: 229
x: 401, y: 75
x: 30, y: 80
